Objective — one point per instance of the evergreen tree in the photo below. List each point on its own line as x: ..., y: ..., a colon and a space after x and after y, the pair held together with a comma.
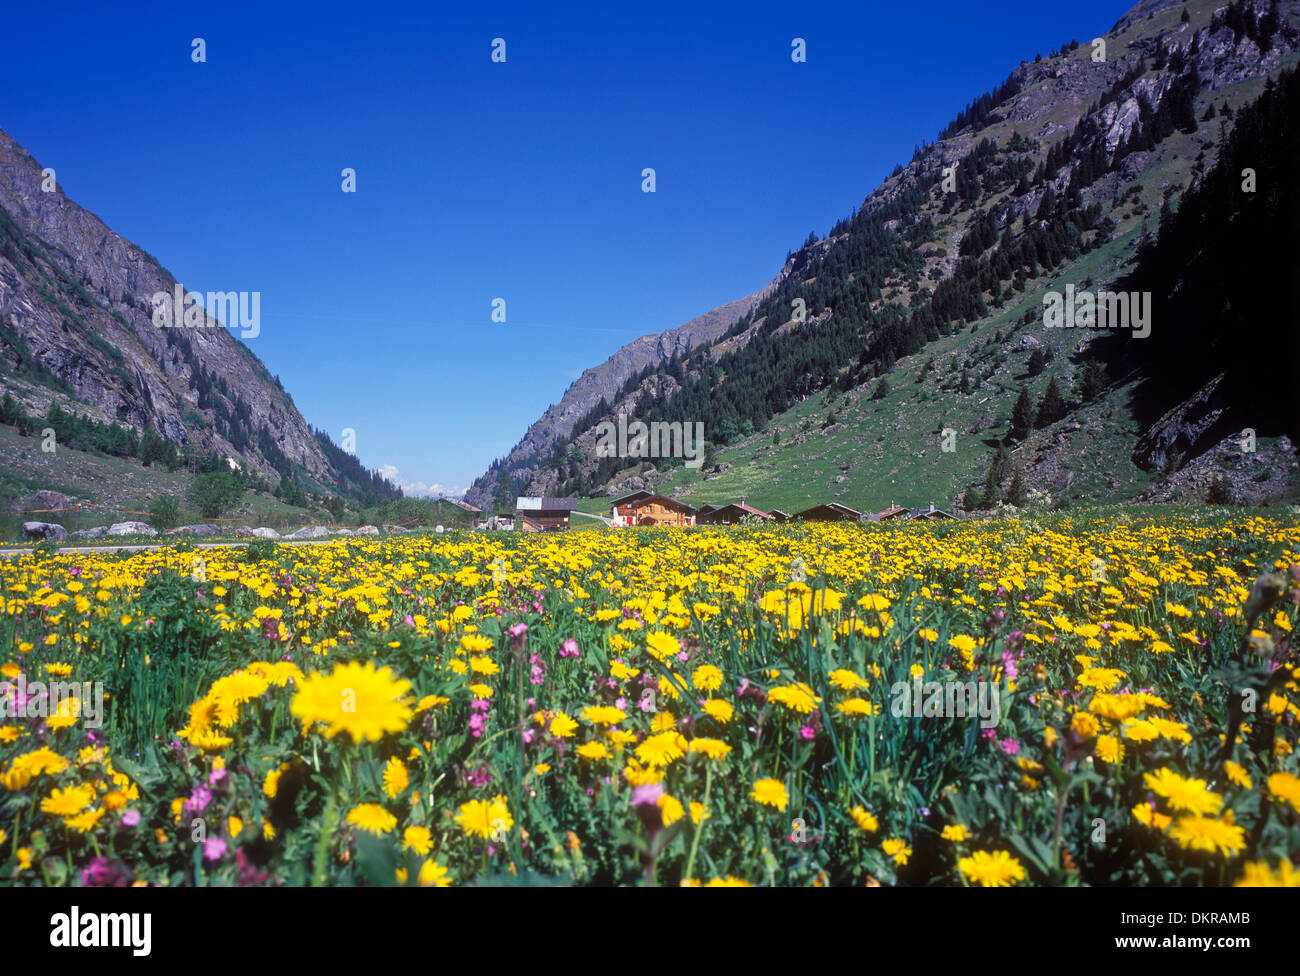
x: 1036, y: 363
x: 1022, y: 415
x: 1093, y: 382
x: 1016, y: 491
x: 1052, y: 407
x: 997, y: 473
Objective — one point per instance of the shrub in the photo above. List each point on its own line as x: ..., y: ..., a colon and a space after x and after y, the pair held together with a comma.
x: 215, y: 493
x: 165, y: 511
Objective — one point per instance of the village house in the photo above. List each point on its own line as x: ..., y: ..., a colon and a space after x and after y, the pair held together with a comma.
x: 647, y: 508
x: 729, y: 514
x: 544, y: 514
x: 830, y: 512
x: 890, y: 513
x: 930, y: 514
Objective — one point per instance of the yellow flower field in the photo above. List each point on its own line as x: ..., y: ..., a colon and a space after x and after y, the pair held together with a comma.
x: 988, y: 703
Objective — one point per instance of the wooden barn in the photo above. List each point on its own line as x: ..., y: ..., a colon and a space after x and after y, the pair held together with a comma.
x: 891, y: 513
x: 648, y: 508
x: 544, y: 514
x: 830, y: 512
x: 729, y: 514
x: 930, y: 514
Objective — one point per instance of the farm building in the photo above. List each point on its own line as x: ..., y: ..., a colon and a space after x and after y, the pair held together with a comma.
x: 830, y: 512
x: 779, y: 516
x: 544, y: 514
x: 892, y: 512
x: 729, y: 514
x: 930, y: 514
x: 648, y: 508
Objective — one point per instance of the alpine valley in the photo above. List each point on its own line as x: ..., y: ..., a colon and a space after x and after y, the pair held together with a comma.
x: 906, y: 356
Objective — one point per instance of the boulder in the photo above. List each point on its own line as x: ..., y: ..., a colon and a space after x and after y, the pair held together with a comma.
x: 395, y: 529
x: 131, y: 528
x: 368, y: 530
x: 203, y: 528
x: 344, y: 532
x: 97, y: 532
x: 45, y: 499
x: 309, y: 532
x: 45, y: 530
x: 264, y: 533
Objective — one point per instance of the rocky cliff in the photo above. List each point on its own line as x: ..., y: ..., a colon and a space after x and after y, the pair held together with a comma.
x: 77, y: 329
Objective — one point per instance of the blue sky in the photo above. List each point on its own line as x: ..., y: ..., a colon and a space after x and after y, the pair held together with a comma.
x: 478, y: 180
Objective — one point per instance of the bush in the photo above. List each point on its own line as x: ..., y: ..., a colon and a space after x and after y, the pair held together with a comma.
x: 165, y: 512
x: 259, y: 551
x: 215, y: 493
x: 1220, y: 492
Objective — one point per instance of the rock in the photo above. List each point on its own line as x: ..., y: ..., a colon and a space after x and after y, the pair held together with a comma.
x: 309, y: 532
x: 45, y: 530
x: 629, y: 485
x: 1188, y: 429
x: 46, y: 499
x: 395, y: 529
x: 203, y: 528
x: 368, y: 530
x: 98, y: 532
x: 344, y: 532
x: 264, y: 533
x: 131, y: 528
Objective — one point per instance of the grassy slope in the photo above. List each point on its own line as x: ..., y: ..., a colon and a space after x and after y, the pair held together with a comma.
x: 889, y: 449
x: 121, y: 485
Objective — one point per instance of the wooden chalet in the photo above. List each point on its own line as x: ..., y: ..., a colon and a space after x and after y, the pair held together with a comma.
x: 780, y: 516
x: 930, y: 514
x: 544, y: 514
x: 729, y: 514
x: 830, y: 512
x: 647, y: 508
x: 890, y: 513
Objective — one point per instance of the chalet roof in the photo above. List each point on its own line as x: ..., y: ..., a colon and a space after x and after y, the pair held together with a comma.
x: 892, y: 510
x: 928, y: 513
x: 461, y: 503
x: 833, y: 506
x: 532, y: 504
x: 636, y: 494
x: 662, y: 499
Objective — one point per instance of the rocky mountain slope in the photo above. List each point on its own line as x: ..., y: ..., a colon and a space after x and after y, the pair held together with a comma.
x: 925, y: 310
x: 77, y: 330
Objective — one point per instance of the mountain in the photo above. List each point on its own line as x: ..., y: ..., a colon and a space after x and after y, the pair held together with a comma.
x: 77, y: 333
x: 925, y: 356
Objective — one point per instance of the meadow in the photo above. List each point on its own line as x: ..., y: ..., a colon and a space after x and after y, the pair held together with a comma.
x: 693, y: 707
